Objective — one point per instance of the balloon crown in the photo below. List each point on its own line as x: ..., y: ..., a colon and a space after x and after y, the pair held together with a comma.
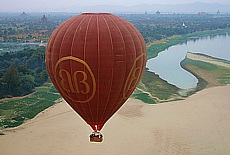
x: 96, y: 13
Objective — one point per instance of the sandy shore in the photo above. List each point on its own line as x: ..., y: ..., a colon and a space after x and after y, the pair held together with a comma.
x: 198, y: 125
x: 207, y: 59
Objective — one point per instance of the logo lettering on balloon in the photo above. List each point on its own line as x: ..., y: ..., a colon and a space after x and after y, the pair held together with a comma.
x: 133, y: 77
x: 77, y: 82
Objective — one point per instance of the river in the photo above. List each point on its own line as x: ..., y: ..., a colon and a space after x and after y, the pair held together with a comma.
x: 14, y: 46
x: 167, y: 63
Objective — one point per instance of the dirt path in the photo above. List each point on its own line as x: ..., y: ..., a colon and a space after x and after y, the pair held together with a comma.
x: 16, y: 98
x: 150, y: 95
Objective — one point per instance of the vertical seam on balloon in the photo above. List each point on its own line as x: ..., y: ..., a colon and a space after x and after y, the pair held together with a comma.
x: 70, y: 65
x: 49, y: 44
x: 56, y: 39
x: 127, y: 30
x: 124, y: 54
x: 63, y: 25
x: 84, y: 59
x: 71, y: 53
x: 111, y: 41
x: 98, y: 68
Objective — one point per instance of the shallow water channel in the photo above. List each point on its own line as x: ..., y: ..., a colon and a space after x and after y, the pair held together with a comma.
x: 167, y: 63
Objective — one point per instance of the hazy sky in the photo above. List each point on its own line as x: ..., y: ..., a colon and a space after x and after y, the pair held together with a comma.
x: 51, y: 5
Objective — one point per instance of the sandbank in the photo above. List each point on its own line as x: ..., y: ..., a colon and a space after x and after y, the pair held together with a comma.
x: 199, y: 125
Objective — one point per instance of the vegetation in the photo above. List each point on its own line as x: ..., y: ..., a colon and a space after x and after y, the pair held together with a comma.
x: 156, y: 27
x: 212, y: 74
x: 21, y: 71
x: 31, y: 27
x: 144, y: 97
x: 160, y: 90
x: 28, y: 27
x: 14, y: 112
x: 161, y: 45
x: 152, y: 89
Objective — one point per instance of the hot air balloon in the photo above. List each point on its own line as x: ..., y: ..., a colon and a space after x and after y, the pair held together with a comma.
x: 95, y: 61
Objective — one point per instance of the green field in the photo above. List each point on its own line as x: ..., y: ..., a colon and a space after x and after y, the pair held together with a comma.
x: 14, y: 112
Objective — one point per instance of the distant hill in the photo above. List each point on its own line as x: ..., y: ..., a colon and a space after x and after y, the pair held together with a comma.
x: 179, y: 8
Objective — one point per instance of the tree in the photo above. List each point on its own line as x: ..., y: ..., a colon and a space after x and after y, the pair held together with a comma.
x: 12, y: 80
x: 3, y: 86
x: 27, y: 84
x: 23, y: 70
x: 41, y: 77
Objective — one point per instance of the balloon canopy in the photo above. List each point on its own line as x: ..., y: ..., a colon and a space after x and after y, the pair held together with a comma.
x: 95, y: 60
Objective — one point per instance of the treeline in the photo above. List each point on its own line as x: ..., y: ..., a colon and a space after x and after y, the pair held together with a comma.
x: 152, y: 26
x: 18, y: 28
x: 22, y: 71
x: 156, y: 27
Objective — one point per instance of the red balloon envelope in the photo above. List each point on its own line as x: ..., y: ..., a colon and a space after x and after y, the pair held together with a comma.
x: 95, y: 60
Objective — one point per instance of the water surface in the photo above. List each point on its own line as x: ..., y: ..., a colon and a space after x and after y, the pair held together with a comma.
x: 167, y: 63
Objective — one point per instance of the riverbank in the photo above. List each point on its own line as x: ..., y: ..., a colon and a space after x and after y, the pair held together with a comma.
x: 158, y: 46
x: 159, y: 89
x: 197, y: 125
x: 210, y: 71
